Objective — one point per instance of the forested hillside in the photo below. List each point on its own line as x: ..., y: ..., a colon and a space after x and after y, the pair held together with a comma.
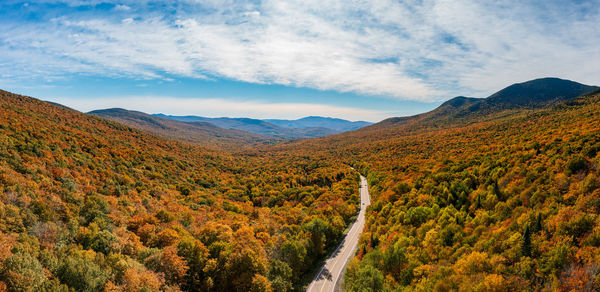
x: 507, y: 203
x: 530, y: 95
x: 91, y: 205
x: 202, y: 133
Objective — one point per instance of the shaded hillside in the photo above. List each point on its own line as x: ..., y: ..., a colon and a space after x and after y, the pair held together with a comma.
x: 528, y: 95
x: 338, y: 125
x: 257, y: 126
x: 510, y: 199
x: 539, y: 92
x: 87, y: 204
x: 203, y: 133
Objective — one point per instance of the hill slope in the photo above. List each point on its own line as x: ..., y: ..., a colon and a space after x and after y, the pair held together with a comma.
x: 528, y: 95
x: 538, y: 92
x: 499, y: 201
x: 88, y: 204
x: 203, y: 133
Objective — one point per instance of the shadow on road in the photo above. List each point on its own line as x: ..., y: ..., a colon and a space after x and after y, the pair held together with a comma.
x: 324, y: 275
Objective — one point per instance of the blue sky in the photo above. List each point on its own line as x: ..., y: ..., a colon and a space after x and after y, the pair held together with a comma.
x: 358, y: 60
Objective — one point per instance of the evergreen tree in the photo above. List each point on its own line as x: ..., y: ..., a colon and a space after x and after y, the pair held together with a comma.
x: 497, y: 190
x: 538, y: 223
x: 374, y: 241
x: 526, y: 242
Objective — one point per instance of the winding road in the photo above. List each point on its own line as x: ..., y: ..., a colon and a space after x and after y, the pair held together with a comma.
x: 332, y: 271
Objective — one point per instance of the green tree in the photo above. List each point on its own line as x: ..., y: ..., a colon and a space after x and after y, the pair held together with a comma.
x: 195, y: 254
x: 22, y: 272
x: 556, y: 259
x: 538, y: 223
x: 317, y: 228
x: 394, y: 263
x: 367, y: 279
x: 526, y: 242
x: 95, y: 210
x: 81, y: 273
x: 280, y: 275
x: 576, y: 164
x: 293, y: 253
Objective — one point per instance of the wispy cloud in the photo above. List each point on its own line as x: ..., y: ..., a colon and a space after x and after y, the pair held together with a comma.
x: 417, y: 50
x: 216, y: 107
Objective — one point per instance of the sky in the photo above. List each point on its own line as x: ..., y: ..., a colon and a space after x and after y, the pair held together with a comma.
x: 357, y: 60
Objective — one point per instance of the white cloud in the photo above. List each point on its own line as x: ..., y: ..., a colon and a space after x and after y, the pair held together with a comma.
x: 516, y: 42
x: 418, y: 50
x: 120, y: 7
x: 215, y: 107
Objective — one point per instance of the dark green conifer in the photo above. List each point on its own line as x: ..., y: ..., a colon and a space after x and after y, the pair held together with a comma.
x: 526, y: 242
x: 538, y: 223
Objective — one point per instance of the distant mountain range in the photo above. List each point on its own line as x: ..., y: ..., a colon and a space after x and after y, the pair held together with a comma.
x: 314, y: 121
x: 226, y: 132
x: 202, y: 133
x: 309, y: 127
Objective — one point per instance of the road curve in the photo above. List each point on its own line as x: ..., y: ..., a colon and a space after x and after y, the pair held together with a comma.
x: 332, y: 270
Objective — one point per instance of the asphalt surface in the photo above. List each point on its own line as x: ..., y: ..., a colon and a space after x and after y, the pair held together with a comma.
x: 333, y: 269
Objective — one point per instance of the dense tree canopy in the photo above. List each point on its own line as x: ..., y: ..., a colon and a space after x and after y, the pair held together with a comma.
x: 93, y: 205
x: 505, y: 201
x: 493, y: 205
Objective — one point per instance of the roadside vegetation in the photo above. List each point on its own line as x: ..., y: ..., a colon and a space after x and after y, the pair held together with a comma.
x: 501, y: 205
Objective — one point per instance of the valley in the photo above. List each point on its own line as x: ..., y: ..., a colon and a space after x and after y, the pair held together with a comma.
x: 498, y: 191
x: 288, y: 146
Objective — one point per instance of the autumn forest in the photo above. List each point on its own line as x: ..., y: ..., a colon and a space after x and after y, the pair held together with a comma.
x: 488, y: 194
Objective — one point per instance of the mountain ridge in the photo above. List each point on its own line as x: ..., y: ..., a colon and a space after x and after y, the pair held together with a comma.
x: 528, y: 95
x: 337, y: 124
x: 256, y: 126
x: 203, y: 133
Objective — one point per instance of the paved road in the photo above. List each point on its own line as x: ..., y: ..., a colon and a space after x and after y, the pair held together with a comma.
x: 335, y: 265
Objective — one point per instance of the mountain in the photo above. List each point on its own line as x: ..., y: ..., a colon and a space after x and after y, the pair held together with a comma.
x: 493, y: 197
x: 202, y: 133
x: 528, y: 95
x: 89, y: 204
x: 538, y: 92
x: 339, y: 125
x: 257, y: 126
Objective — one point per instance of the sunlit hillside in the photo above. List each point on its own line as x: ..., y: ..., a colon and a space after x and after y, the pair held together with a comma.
x: 91, y: 205
x: 505, y: 201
